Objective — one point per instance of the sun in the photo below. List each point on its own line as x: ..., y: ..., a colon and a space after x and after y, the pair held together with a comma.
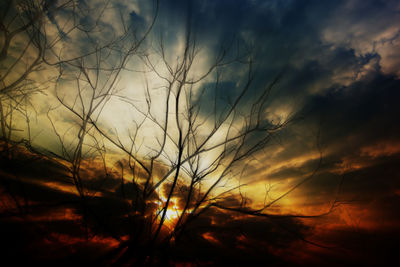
x: 172, y: 213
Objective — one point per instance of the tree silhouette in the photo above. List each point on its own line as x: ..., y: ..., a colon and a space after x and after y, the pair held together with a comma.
x: 201, y: 142
x: 192, y: 137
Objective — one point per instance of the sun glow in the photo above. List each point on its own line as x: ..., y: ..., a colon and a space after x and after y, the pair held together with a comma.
x: 172, y: 213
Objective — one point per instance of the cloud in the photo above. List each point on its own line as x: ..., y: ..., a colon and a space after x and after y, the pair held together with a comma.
x: 368, y: 27
x: 340, y: 62
x: 232, y: 238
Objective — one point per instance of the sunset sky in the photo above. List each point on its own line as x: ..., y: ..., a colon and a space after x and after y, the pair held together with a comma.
x: 339, y: 68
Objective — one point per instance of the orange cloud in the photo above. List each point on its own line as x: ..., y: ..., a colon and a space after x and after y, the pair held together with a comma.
x: 366, y: 156
x: 381, y: 149
x: 209, y: 237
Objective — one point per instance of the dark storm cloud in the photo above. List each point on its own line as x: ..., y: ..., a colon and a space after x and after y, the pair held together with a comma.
x: 50, y: 215
x: 367, y: 108
x: 358, y: 137
x: 356, y: 117
x: 37, y: 168
x: 372, y: 183
x: 48, y: 184
x: 283, y: 33
x: 344, y: 106
x: 216, y: 99
x: 340, y: 65
x: 48, y: 243
x: 224, y: 238
x: 339, y: 61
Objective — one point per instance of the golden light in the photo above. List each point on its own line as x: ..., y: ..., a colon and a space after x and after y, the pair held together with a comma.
x: 210, y: 238
x: 173, y: 212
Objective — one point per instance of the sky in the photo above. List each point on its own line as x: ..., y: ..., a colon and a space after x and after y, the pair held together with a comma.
x: 338, y: 63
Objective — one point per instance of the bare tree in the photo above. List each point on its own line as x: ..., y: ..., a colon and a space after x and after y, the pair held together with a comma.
x: 21, y: 51
x: 83, y: 87
x: 202, y: 137
x: 28, y: 39
x: 39, y: 38
x: 199, y: 146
